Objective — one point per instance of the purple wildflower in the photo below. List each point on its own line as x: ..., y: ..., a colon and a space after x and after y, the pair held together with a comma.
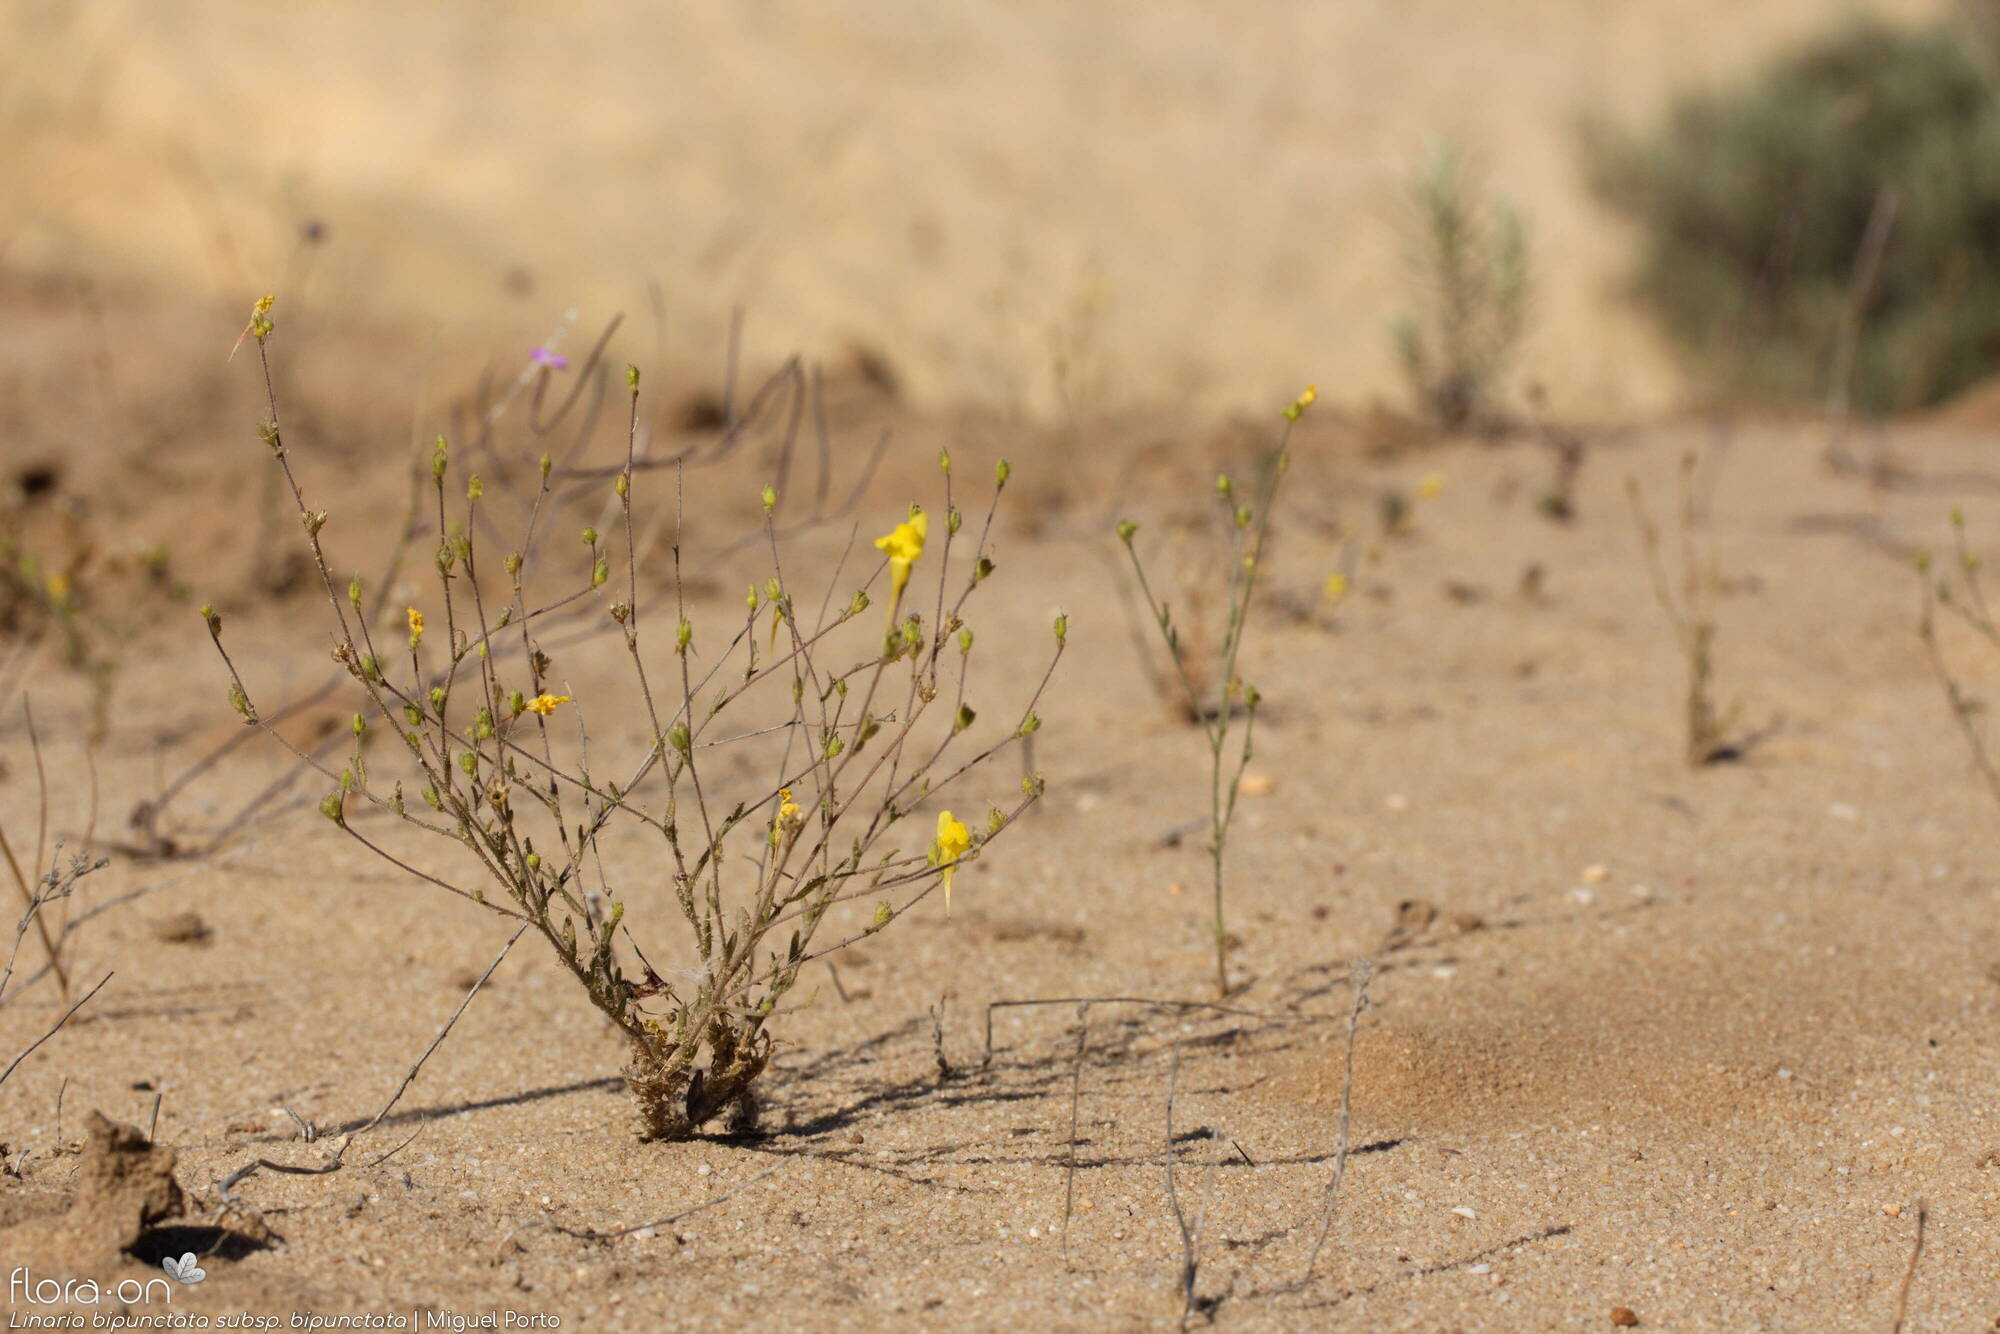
x: 543, y: 356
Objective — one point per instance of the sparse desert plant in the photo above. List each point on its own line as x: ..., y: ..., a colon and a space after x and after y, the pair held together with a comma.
x: 1960, y: 592
x: 1827, y: 219
x: 1690, y: 610
x: 775, y: 781
x: 1469, y: 278
x: 1216, y: 694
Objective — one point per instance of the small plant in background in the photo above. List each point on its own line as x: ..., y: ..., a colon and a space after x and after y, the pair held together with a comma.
x: 1557, y: 501
x: 1690, y: 611
x: 852, y: 724
x: 1216, y: 707
x: 1765, y: 213
x: 1960, y: 592
x: 1468, y: 265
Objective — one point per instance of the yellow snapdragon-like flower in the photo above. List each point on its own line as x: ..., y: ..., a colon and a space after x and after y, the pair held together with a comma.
x: 416, y: 627
x: 954, y: 840
x: 546, y: 704
x: 790, y: 817
x: 904, y: 544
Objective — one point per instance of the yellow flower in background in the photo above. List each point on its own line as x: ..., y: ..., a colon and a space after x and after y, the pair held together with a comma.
x: 904, y: 544
x: 1430, y: 485
x: 1302, y: 402
x: 416, y: 627
x: 954, y: 840
x: 1335, y: 588
x: 59, y: 586
x: 546, y: 704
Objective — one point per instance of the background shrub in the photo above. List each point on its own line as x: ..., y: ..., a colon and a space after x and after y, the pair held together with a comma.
x: 1756, y: 203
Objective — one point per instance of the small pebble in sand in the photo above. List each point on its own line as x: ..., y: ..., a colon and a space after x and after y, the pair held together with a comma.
x: 1479, y: 1269
x: 1258, y: 785
x: 703, y: 1170
x: 1595, y: 874
x: 1623, y: 1315
x: 1463, y: 1212
x: 1893, y: 1210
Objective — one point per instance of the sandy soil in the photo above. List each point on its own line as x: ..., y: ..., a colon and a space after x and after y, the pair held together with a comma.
x: 1709, y: 1083
x: 1701, y: 1045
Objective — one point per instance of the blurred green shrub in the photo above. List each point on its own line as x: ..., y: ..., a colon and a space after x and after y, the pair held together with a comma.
x: 1831, y: 227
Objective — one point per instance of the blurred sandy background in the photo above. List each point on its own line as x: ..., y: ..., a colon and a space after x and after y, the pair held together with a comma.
x: 1049, y: 205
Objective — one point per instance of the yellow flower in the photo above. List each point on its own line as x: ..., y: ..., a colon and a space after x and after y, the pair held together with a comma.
x: 416, y: 627
x: 1430, y: 485
x: 1302, y: 402
x: 790, y: 817
x: 1336, y: 587
x: 954, y: 840
x: 59, y: 586
x: 546, y: 704
x: 904, y: 544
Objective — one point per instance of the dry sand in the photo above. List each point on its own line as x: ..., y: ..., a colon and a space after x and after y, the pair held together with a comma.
x: 1708, y: 1084
x: 1693, y: 1044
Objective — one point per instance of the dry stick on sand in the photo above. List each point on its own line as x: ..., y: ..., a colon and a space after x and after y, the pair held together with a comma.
x: 1188, y: 1258
x: 335, y: 1163
x: 81, y: 1001
x: 1075, y: 1096
x: 592, y: 1234
x: 1910, y: 1273
x: 1273, y: 1016
x: 1363, y: 971
x: 1190, y: 1232
x: 29, y: 901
